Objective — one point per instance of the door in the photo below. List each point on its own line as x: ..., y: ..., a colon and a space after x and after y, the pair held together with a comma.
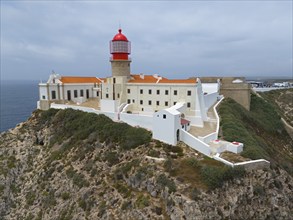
x: 87, y: 93
x: 68, y: 95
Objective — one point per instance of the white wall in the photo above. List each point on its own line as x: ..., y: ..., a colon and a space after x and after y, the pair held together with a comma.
x: 210, y: 87
x: 109, y: 105
x: 111, y: 115
x: 143, y: 121
x: 208, y: 138
x: 210, y: 100
x: 134, y: 95
x: 43, y: 91
x: 166, y: 129
x: 195, y: 143
x: 195, y: 121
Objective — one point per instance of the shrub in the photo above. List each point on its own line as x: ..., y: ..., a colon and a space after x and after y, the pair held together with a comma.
x: 164, y: 181
x: 142, y: 201
x: 112, y: 158
x: 30, y: 198
x: 192, y: 162
x: 169, y: 165
x: 215, y: 176
x: 259, y: 190
x: 154, y: 153
x: 122, y: 189
x: 65, y: 195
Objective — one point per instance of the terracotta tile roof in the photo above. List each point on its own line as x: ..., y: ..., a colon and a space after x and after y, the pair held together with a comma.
x: 152, y: 79
x: 76, y: 79
x: 184, y: 121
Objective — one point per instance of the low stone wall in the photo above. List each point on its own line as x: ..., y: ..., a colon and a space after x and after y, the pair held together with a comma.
x: 254, y: 164
x: 248, y: 165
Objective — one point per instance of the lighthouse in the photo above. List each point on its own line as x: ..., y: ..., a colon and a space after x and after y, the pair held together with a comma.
x: 120, y: 49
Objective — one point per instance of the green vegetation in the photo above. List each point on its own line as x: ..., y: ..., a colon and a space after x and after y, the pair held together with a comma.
x: 163, y: 181
x: 282, y: 101
x: 142, y: 201
x: 204, y: 173
x: 78, y: 179
x: 65, y: 195
x: 260, y: 129
x: 30, y: 198
x: 214, y: 177
x: 112, y: 158
x: 123, y: 189
x: 84, y: 129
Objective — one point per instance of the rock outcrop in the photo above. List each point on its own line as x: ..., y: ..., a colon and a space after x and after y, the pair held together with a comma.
x: 86, y: 176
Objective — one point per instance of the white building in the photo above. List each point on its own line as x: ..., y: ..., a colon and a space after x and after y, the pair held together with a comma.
x: 162, y: 105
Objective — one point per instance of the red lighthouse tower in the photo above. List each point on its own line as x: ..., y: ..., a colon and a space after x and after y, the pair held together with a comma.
x: 120, y: 49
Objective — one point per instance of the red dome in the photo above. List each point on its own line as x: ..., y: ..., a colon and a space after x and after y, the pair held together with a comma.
x: 119, y: 37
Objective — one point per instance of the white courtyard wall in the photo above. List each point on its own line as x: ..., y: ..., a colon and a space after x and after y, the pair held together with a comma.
x: 109, y: 105
x: 210, y: 100
x: 195, y: 143
x: 143, y: 121
x: 208, y: 138
x: 111, y: 115
x: 195, y: 121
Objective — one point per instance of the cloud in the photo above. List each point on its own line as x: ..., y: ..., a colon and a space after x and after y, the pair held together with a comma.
x: 175, y: 39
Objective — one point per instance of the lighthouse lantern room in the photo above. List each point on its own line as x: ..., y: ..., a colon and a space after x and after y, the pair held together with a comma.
x: 120, y: 48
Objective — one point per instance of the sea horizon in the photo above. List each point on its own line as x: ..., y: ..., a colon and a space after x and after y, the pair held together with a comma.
x: 18, y: 100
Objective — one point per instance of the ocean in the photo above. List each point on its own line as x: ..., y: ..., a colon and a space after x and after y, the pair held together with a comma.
x: 18, y: 99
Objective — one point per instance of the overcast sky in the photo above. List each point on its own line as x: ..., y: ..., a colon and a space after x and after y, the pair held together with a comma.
x: 174, y: 39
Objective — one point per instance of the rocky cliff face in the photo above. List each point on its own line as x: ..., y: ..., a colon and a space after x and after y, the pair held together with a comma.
x: 46, y: 174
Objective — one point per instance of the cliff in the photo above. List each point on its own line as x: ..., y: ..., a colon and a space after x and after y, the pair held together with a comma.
x: 66, y: 164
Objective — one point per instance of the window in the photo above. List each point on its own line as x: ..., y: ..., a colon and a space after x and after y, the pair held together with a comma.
x: 141, y: 91
x: 158, y: 102
x: 164, y: 116
x: 53, y: 94
x: 150, y: 91
x: 75, y: 93
x: 114, y: 80
x: 81, y: 93
x: 133, y: 101
x: 189, y: 93
x: 188, y: 104
x: 158, y: 92
x: 118, y: 95
x: 128, y: 91
x: 107, y: 95
x: 128, y: 101
x: 97, y: 93
x: 141, y: 109
x: 44, y: 97
x: 166, y: 92
x: 166, y: 103
x: 174, y: 103
x: 150, y: 102
x: 141, y: 102
x: 182, y: 126
x: 175, y: 92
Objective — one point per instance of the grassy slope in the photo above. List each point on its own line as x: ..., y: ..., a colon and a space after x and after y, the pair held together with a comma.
x: 260, y: 129
x: 282, y: 100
